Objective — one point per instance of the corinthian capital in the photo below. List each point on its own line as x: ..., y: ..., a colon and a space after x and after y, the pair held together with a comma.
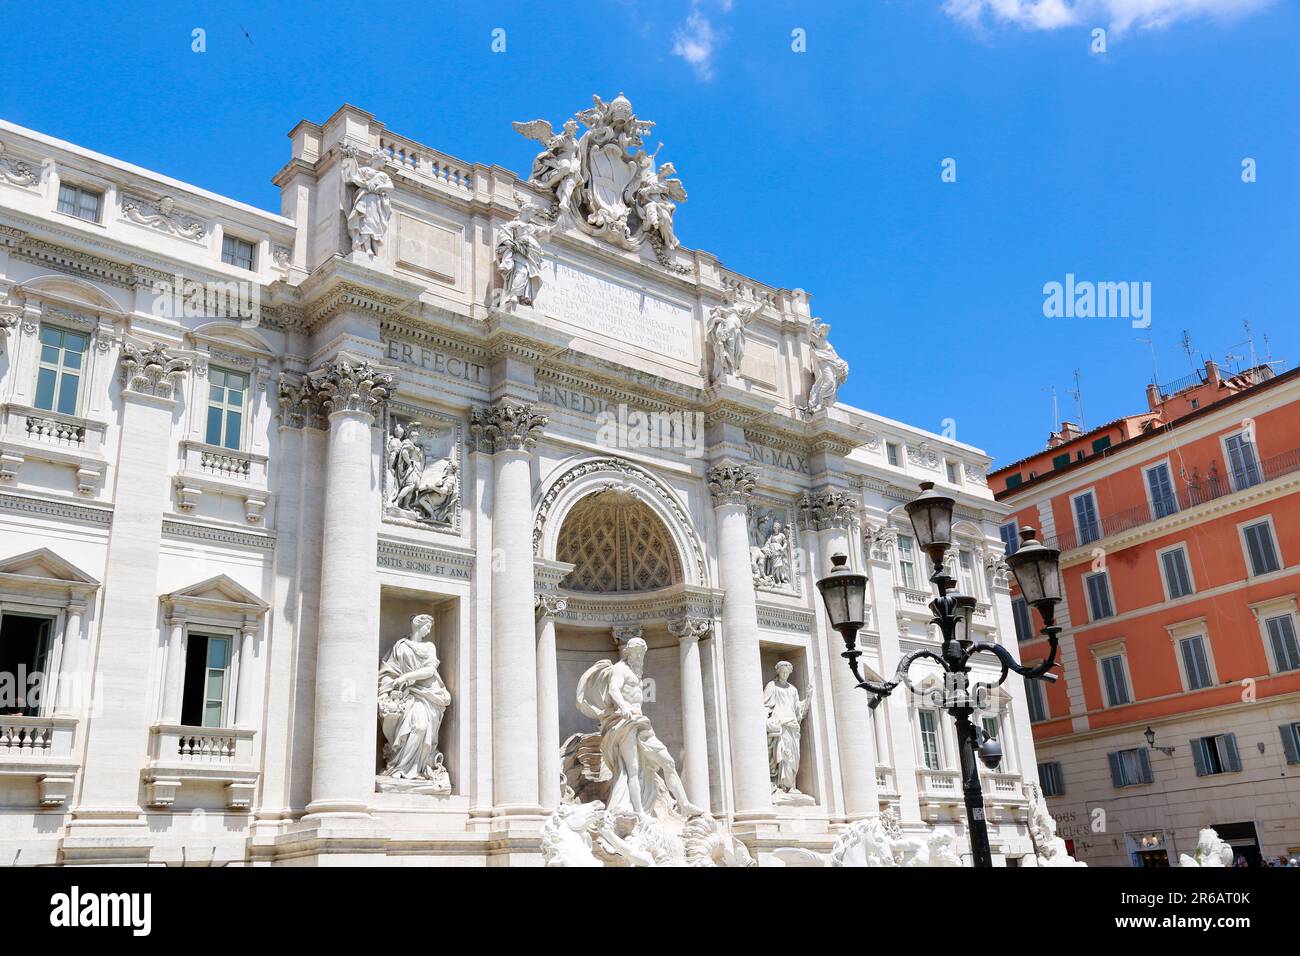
x: 347, y: 386
x: 507, y: 426
x: 828, y: 509
x: 152, y: 371
x: 690, y: 628
x: 300, y: 402
x: 731, y: 484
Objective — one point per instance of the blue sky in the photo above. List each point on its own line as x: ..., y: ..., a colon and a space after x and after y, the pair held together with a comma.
x: 818, y: 170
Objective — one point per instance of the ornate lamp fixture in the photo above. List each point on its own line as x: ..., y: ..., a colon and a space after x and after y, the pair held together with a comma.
x: 1150, y: 735
x: 1037, y: 571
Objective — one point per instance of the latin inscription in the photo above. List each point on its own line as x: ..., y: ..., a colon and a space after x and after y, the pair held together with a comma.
x: 432, y: 360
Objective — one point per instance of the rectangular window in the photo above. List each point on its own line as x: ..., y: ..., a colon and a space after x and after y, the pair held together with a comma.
x: 1085, y: 518
x: 1099, y: 604
x: 238, y: 252
x: 207, y: 679
x: 1178, y: 578
x: 1050, y: 779
x: 24, y: 651
x: 1196, y: 663
x: 1163, y: 500
x: 1243, y: 462
x: 1260, y: 548
x: 82, y: 203
x: 1024, y: 620
x: 929, y: 739
x: 1100, y: 444
x: 966, y: 572
x: 1291, y: 742
x: 1061, y: 461
x: 1036, y: 699
x: 227, y: 401
x: 954, y: 473
x: 907, y: 561
x: 1010, y: 533
x: 1282, y: 639
x: 1116, y: 683
x: 892, y: 453
x: 1128, y: 768
x: 59, y: 370
x: 1217, y: 754
x: 1015, y: 481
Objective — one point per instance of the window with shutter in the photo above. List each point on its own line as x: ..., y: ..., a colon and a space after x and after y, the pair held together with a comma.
x: 1099, y: 604
x: 1112, y: 669
x: 1196, y: 664
x: 1291, y: 742
x: 1178, y: 578
x: 1242, y: 461
x: 1085, y: 518
x: 1260, y: 548
x: 1023, y: 620
x: 1282, y: 641
x: 1161, y: 486
x: 1036, y: 700
x: 1010, y: 533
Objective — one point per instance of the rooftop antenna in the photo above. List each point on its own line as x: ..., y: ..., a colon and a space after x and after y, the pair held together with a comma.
x: 1056, y: 411
x: 1250, y: 341
x: 1078, y: 401
x: 1155, y: 368
x: 1187, y: 347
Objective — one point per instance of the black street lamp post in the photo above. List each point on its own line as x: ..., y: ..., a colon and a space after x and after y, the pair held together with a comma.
x: 1037, y: 572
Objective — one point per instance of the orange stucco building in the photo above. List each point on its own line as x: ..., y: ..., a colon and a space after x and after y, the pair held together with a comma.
x: 1179, y: 531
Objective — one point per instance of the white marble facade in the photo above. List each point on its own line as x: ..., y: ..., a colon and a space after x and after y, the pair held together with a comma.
x: 545, y: 472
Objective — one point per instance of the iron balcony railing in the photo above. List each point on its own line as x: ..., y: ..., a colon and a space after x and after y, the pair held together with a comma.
x: 1189, y: 495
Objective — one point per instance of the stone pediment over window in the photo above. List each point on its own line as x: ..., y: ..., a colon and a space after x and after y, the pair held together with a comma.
x: 44, y: 570
x: 217, y: 594
x: 617, y: 543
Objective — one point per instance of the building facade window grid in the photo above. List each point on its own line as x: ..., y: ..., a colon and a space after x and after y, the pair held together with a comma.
x: 907, y: 561
x: 1036, y: 700
x: 1050, y: 779
x: 930, y: 754
x: 1243, y: 462
x: 1160, y: 486
x: 1086, y: 522
x: 1291, y: 742
x: 1215, y: 754
x: 1129, y: 768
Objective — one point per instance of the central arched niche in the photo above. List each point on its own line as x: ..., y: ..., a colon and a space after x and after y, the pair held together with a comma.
x: 616, y: 543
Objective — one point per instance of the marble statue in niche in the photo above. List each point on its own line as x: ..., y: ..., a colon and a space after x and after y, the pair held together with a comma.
x: 769, y: 549
x: 611, y: 692
x: 420, y: 484
x: 727, y: 337
x: 785, y: 714
x: 519, y: 257
x: 412, y: 702
x: 371, y: 210
x: 829, y: 370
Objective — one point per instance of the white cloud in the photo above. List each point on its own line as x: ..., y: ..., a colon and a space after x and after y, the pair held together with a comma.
x: 696, y: 41
x: 1117, y: 15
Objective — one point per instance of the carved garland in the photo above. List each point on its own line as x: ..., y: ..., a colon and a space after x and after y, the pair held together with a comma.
x: 626, y: 469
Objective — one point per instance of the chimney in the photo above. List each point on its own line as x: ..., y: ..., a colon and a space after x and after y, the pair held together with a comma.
x: 1211, y: 372
x: 1153, y: 396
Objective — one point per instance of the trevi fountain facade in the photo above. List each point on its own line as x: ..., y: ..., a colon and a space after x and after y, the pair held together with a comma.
x: 455, y: 517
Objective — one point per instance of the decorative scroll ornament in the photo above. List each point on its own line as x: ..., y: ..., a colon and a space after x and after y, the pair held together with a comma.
x: 20, y: 172
x: 604, y: 181
x: 151, y: 372
x: 163, y: 216
x: 727, y: 337
x: 370, y: 210
x: 347, y: 386
x: 829, y: 370
x: 731, y: 484
x: 690, y: 628
x: 548, y: 605
x: 508, y: 426
x: 828, y: 509
x: 880, y: 542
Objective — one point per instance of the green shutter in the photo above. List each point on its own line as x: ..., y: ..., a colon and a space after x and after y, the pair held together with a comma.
x: 1291, y: 742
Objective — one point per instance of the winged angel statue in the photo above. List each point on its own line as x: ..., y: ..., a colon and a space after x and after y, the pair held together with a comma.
x: 604, y: 180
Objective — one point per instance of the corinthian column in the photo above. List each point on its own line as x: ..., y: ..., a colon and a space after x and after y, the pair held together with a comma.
x: 831, y: 515
x: 508, y: 431
x: 731, y: 486
x: 695, y: 736
x: 347, y: 654
x: 548, y: 701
